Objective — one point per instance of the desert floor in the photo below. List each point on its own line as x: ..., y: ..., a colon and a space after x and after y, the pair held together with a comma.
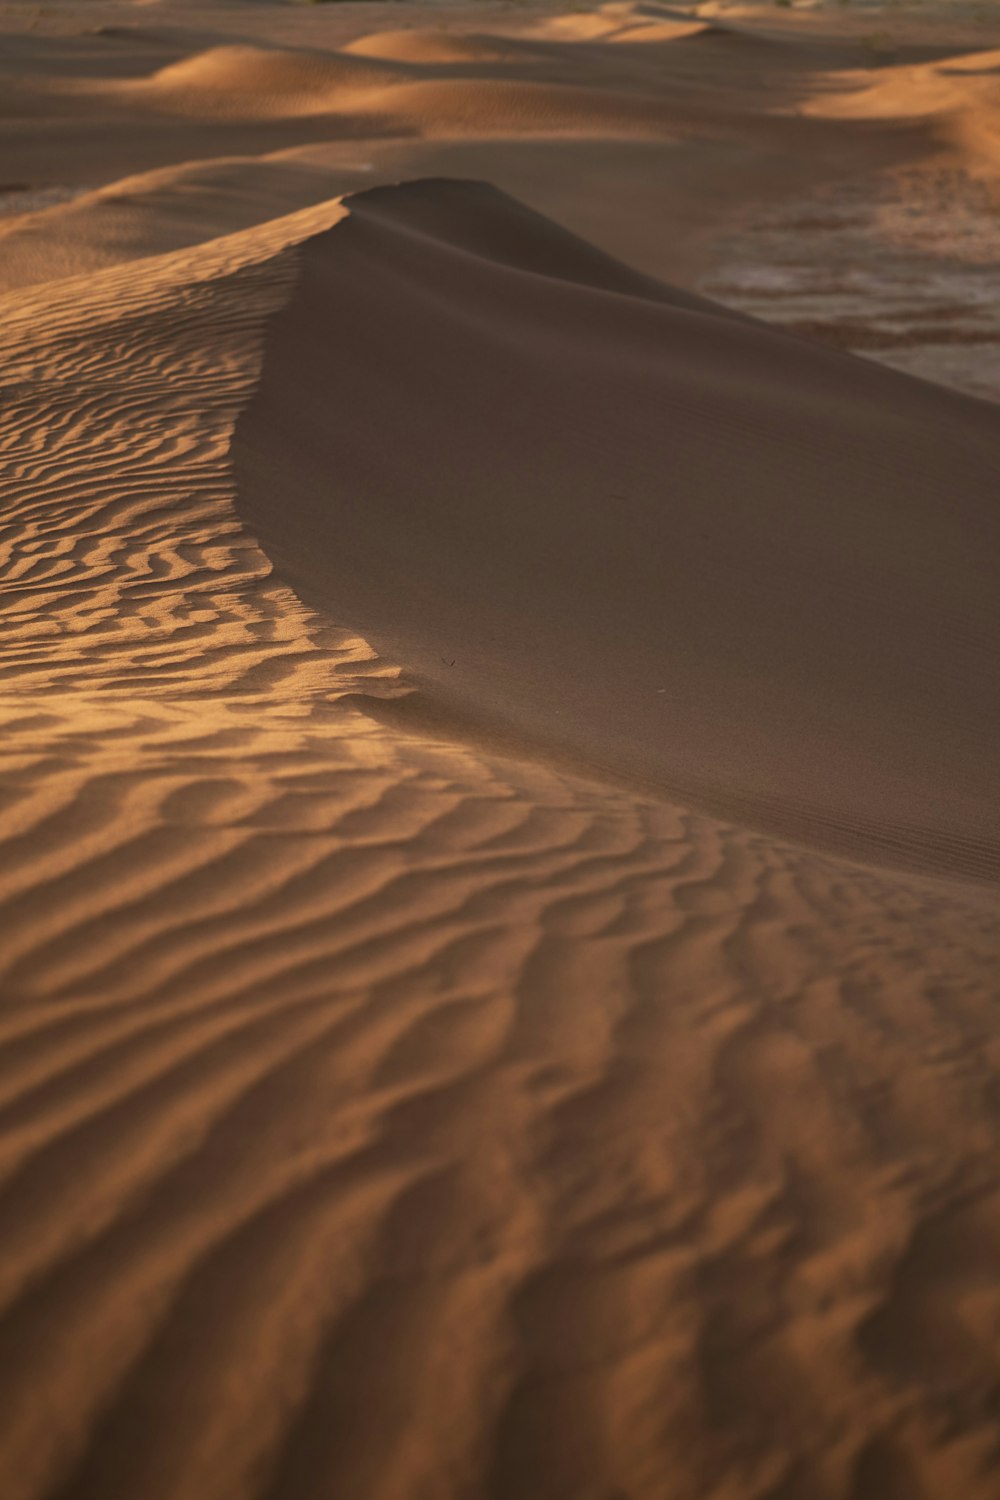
x: 499, y: 813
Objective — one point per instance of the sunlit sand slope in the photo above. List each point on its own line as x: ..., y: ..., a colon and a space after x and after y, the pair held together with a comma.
x: 393, y: 1115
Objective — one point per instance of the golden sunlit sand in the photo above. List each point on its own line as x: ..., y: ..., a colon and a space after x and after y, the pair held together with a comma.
x: 499, y: 818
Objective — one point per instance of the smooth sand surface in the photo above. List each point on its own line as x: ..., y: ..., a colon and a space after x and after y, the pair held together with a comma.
x: 499, y: 816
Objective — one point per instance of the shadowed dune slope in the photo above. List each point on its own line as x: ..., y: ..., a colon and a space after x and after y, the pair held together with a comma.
x: 634, y: 528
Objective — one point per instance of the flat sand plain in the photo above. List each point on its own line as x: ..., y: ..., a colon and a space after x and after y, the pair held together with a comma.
x: 499, y: 815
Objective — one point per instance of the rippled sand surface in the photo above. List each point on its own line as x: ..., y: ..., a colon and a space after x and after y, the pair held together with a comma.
x: 498, y: 816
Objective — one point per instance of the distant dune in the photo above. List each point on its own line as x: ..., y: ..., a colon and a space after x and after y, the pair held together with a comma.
x: 498, y: 804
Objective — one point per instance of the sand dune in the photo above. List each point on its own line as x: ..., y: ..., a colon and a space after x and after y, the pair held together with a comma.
x: 649, y: 146
x: 769, y: 540
x: 602, y: 1141
x: 258, y: 81
x: 155, y: 212
x: 498, y: 821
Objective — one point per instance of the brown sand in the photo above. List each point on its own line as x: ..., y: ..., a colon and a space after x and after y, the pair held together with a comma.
x: 499, y: 835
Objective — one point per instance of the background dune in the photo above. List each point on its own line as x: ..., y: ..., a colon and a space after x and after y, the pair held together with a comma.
x: 499, y: 937
x: 643, y: 139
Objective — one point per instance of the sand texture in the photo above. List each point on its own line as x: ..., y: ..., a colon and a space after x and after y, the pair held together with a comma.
x: 499, y: 812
